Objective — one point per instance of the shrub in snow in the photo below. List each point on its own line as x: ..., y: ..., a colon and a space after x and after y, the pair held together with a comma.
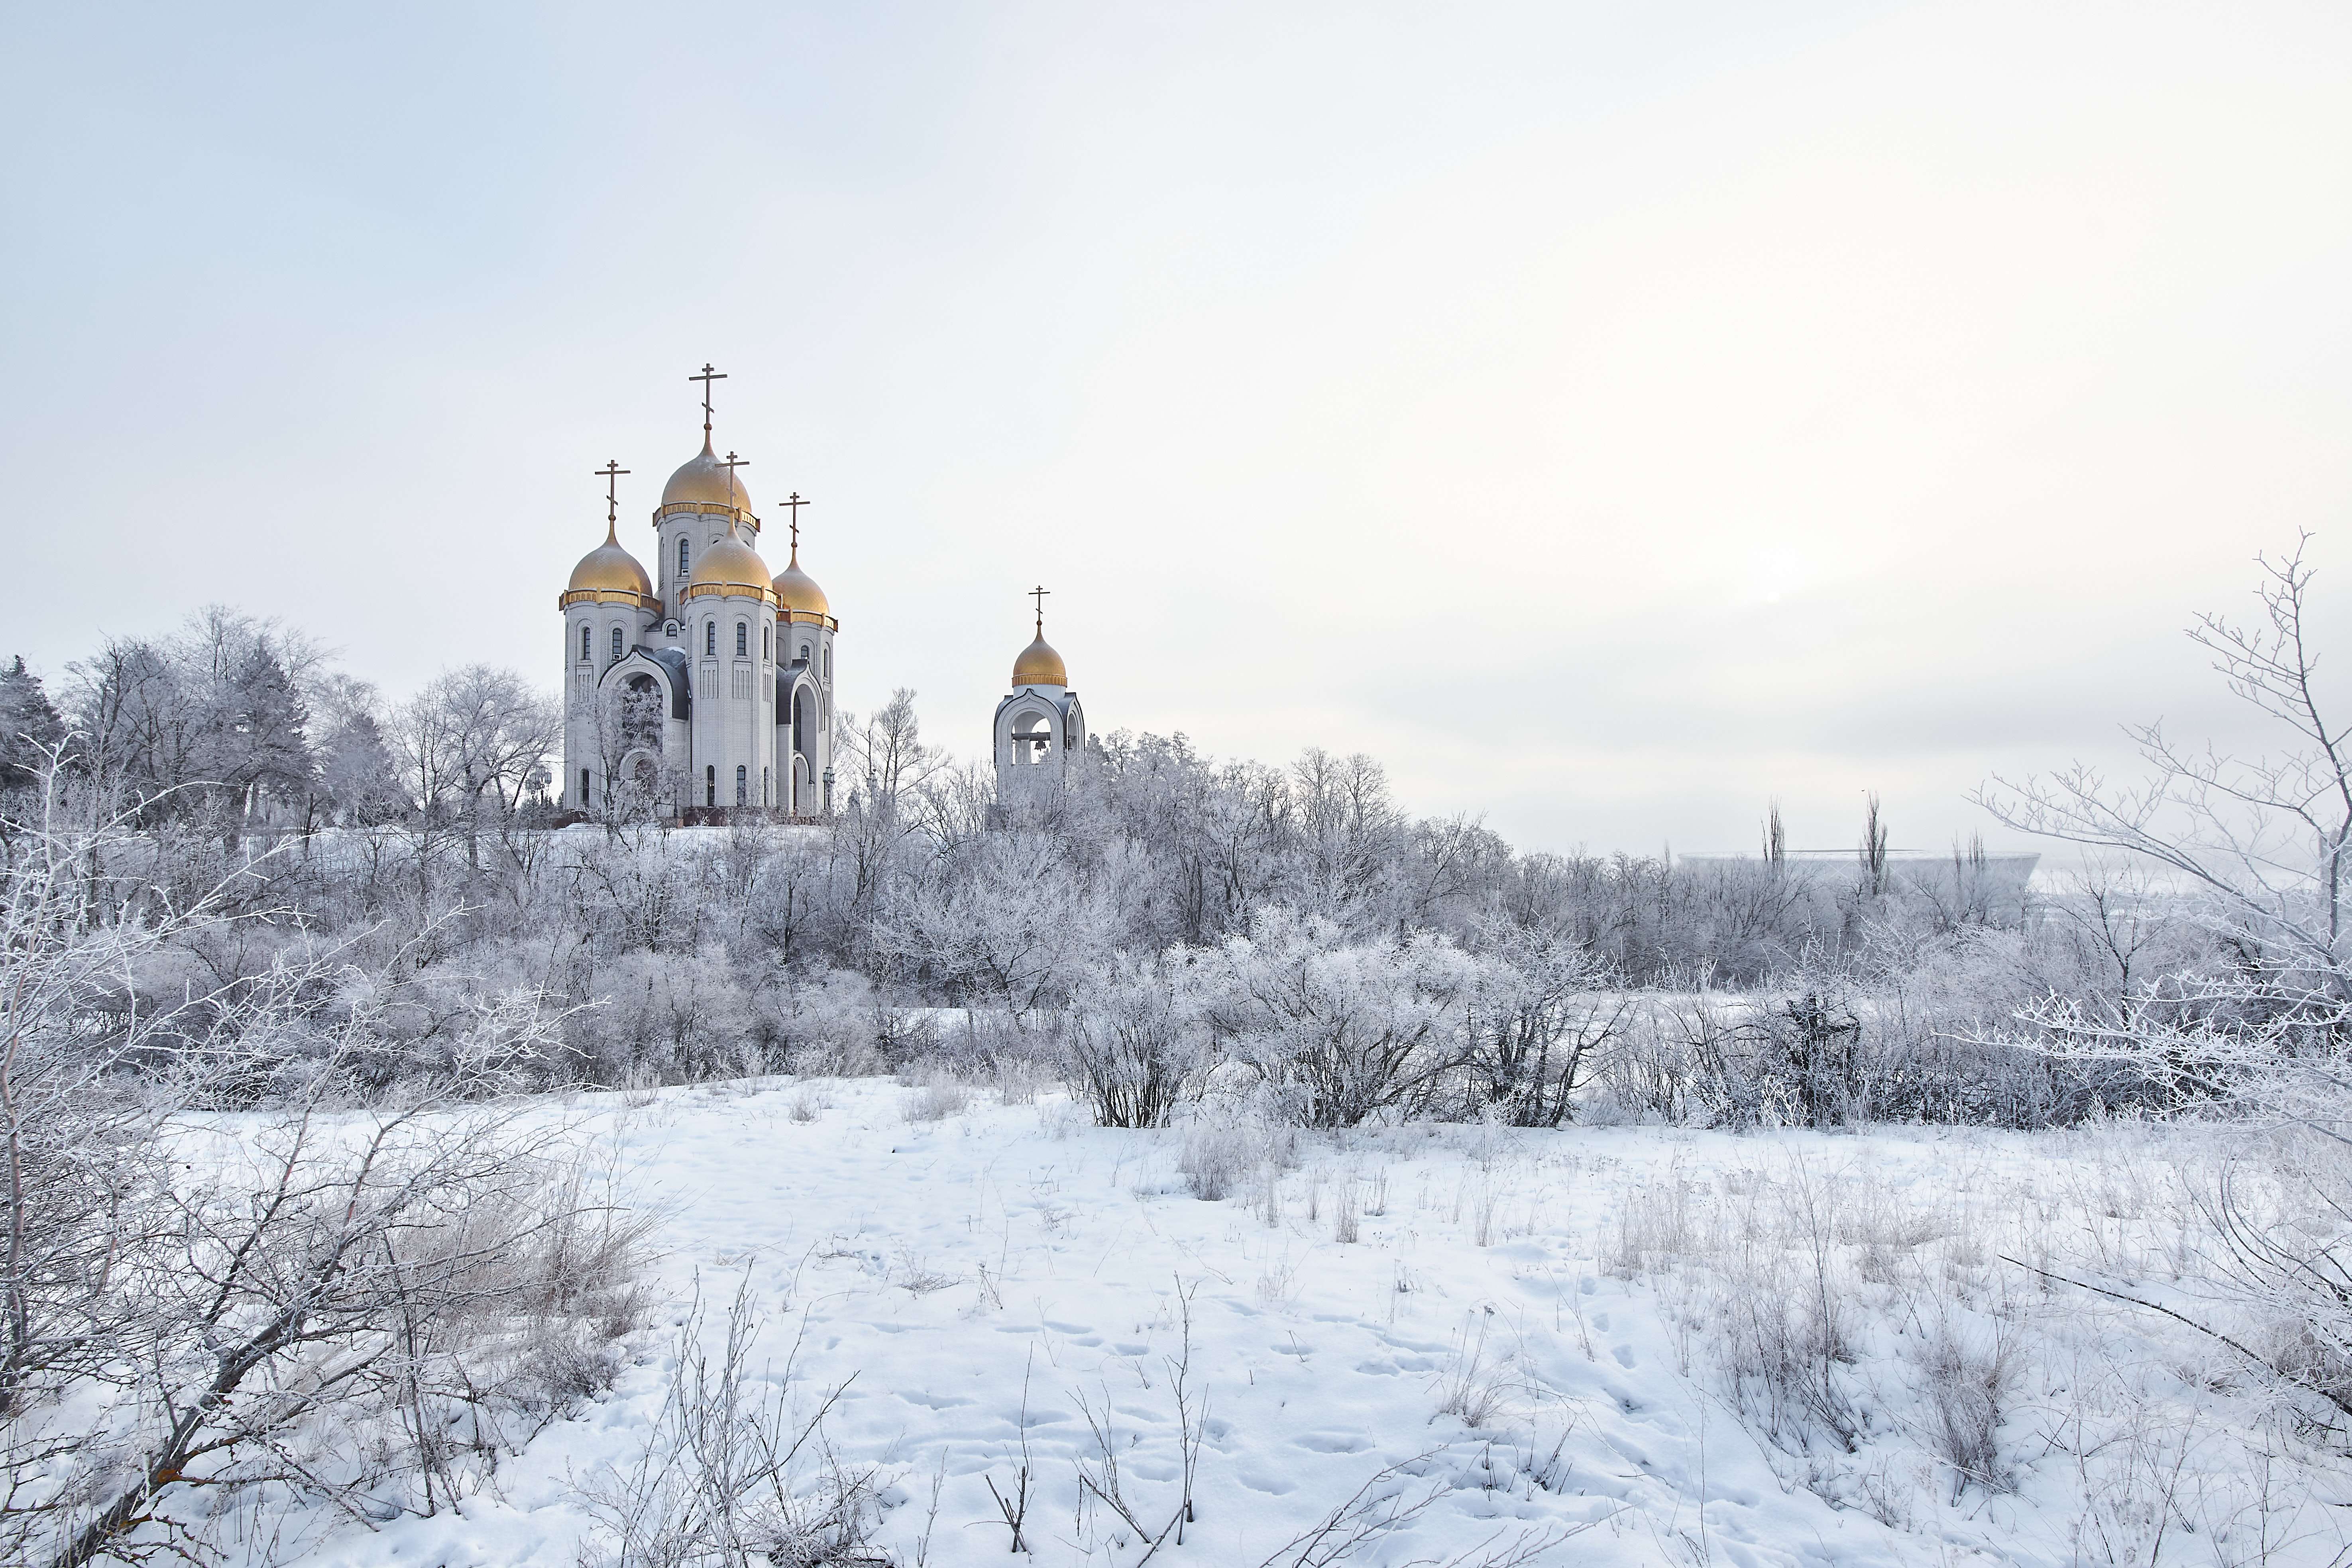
x: 937, y: 1098
x: 1349, y: 1029
x: 1216, y: 1157
x: 737, y: 1469
x: 827, y: 1027
x: 1543, y: 1013
x: 668, y: 1018
x: 1138, y: 1042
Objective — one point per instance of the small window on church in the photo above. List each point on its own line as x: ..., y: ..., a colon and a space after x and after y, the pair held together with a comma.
x: 681, y: 558
x: 711, y: 786
x: 583, y: 789
x: 742, y: 639
x: 617, y: 645
x: 828, y: 664
x: 765, y: 633
x: 585, y: 634
x: 710, y: 638
x: 763, y: 787
x: 742, y: 786
x: 804, y: 653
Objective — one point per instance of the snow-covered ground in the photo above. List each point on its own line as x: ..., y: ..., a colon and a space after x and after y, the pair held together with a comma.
x: 980, y: 1281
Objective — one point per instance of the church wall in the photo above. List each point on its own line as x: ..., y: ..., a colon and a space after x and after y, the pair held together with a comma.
x: 818, y: 743
x: 733, y: 718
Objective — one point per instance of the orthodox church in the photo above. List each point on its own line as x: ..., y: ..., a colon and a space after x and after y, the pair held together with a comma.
x: 709, y: 688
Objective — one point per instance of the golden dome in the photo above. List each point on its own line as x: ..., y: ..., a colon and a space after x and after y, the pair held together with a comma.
x: 731, y: 563
x: 1039, y: 665
x: 796, y: 590
x: 610, y: 568
x: 703, y: 481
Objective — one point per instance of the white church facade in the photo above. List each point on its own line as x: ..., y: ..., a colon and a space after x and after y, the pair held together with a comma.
x: 707, y: 689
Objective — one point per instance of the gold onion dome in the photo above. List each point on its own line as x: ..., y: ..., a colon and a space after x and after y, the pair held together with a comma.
x: 796, y: 590
x: 1039, y: 665
x: 731, y: 563
x: 702, y: 480
x: 610, y: 568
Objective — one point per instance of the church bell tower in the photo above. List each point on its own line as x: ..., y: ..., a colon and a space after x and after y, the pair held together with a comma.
x: 1039, y: 726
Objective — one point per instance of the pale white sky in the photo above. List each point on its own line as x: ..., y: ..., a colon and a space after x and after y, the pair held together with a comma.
x: 1611, y: 418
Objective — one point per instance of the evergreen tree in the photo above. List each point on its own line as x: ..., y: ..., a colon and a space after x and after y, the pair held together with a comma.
x: 28, y: 725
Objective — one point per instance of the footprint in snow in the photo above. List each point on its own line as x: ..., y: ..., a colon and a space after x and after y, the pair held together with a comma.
x: 1332, y: 1442
x: 1267, y: 1481
x: 1624, y: 1355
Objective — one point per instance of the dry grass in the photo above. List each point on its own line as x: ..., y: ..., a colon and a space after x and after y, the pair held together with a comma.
x: 935, y: 1100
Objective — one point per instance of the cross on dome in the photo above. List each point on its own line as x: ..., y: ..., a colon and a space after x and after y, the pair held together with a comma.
x: 707, y: 376
x: 612, y: 471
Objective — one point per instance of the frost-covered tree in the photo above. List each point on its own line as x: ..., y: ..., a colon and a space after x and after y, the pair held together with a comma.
x: 2261, y: 850
x: 1343, y: 1030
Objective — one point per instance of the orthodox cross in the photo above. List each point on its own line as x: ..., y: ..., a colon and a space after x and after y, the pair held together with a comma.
x: 707, y: 377
x: 796, y: 503
x: 611, y: 470
x: 730, y: 462
x: 1038, y: 593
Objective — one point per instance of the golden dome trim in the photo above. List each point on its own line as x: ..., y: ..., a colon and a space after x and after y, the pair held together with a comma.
x: 729, y: 591
x: 572, y: 596
x: 713, y: 508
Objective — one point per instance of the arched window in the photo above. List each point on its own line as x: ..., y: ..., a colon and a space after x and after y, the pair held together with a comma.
x: 763, y: 787
x: 804, y: 658
x: 742, y: 639
x: 710, y: 638
x: 711, y: 786
x: 765, y: 631
x: 586, y: 633
x: 681, y: 560
x: 583, y: 789
x: 828, y: 662
x: 617, y: 645
x: 742, y: 786
x: 1031, y: 736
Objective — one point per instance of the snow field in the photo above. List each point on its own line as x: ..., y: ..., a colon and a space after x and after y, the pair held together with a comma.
x: 1629, y: 1345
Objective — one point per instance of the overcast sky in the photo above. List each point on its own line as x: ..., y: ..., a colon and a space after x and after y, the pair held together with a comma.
x: 1611, y: 418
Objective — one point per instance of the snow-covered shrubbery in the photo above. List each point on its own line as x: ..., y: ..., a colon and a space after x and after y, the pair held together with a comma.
x: 278, y: 1221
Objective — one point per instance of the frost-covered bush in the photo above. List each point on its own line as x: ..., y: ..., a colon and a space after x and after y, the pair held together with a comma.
x: 668, y: 1018
x: 1138, y: 1044
x: 1543, y: 1014
x: 1345, y: 1029
x: 828, y: 1027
